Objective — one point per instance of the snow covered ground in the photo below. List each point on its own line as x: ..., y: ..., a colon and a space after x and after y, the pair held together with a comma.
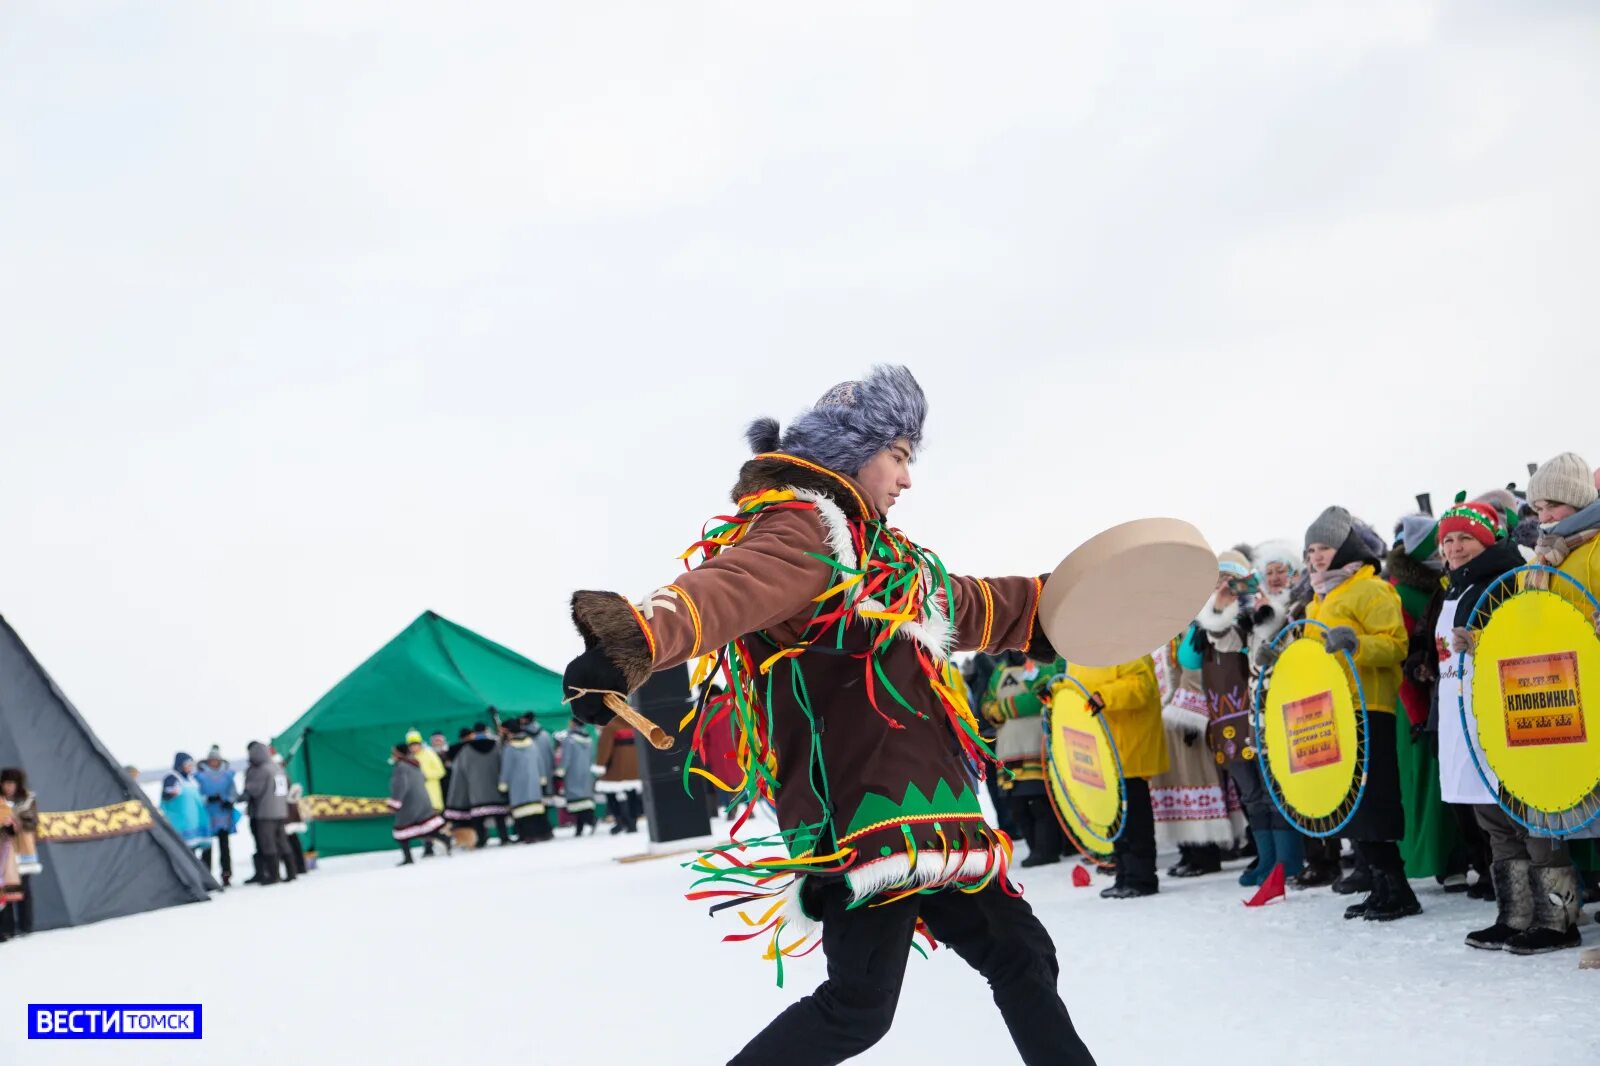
x: 560, y: 954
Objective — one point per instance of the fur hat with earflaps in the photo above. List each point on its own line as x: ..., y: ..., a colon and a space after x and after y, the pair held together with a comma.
x: 852, y: 422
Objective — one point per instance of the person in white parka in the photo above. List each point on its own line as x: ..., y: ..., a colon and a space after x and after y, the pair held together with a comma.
x: 1525, y: 869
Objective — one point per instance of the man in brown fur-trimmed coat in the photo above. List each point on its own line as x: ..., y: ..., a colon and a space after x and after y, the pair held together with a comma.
x: 872, y: 746
x: 616, y: 770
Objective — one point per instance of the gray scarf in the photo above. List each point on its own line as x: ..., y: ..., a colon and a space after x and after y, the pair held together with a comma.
x: 1328, y: 580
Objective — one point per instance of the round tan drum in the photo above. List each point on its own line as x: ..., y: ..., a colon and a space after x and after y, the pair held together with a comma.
x: 1127, y: 591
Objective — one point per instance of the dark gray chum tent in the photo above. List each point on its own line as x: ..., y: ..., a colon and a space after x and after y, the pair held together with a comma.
x: 106, y: 851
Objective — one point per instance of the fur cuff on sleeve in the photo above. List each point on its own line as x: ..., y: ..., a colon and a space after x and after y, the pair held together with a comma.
x: 1175, y: 717
x: 606, y: 619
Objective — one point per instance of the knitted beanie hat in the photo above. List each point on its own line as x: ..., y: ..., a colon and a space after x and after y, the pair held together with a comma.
x: 1480, y: 520
x: 1332, y: 528
x: 1565, y: 479
x: 414, y: 737
x: 214, y: 753
x: 1419, y: 536
x: 851, y: 423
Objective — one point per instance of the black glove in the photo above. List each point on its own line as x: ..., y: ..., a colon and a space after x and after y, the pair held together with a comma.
x: 1096, y: 704
x: 1262, y: 615
x: 1417, y: 730
x: 1341, y: 638
x: 1190, y: 736
x: 593, y: 670
x: 1267, y: 656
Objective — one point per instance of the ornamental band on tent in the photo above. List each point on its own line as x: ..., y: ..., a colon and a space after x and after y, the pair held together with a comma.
x: 105, y: 851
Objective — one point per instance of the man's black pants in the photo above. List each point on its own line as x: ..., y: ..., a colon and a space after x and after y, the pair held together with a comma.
x: 866, y: 949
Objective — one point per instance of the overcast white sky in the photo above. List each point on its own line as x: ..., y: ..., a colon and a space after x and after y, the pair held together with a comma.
x: 314, y: 315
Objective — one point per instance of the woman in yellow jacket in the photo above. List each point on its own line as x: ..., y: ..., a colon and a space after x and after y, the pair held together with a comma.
x: 432, y: 768
x: 1363, y: 615
x: 1130, y: 699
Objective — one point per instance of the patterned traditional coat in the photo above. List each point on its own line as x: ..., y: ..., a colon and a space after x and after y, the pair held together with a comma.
x: 475, y: 782
x: 414, y: 814
x: 838, y: 631
x: 575, y: 767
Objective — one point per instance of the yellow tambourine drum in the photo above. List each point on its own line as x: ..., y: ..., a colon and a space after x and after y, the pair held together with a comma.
x: 1536, y: 702
x: 1311, y: 725
x: 1082, y: 770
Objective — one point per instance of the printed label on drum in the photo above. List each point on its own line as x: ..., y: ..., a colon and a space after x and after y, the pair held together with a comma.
x: 1542, y: 700
x: 1312, y: 735
x: 1083, y: 762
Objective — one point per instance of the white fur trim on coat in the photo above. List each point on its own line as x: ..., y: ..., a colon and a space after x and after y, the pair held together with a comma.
x: 1266, y: 632
x: 933, y: 631
x: 1184, y: 719
x: 1195, y: 831
x: 796, y: 922
x: 612, y: 787
x: 895, y: 874
x: 1214, y: 621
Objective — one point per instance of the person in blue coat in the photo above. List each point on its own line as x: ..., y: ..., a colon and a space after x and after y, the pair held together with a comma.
x: 185, y: 808
x: 220, y: 790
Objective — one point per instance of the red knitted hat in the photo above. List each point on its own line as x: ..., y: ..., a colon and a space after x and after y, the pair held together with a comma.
x: 1479, y: 519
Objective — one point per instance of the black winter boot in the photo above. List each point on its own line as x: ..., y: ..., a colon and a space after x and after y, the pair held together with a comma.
x: 1359, y: 879
x: 1197, y: 860
x: 1378, y: 890
x: 1398, y: 901
x: 1359, y: 910
x: 1513, y: 893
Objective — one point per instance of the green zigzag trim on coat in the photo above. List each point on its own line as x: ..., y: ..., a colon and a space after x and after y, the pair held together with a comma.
x: 876, y: 809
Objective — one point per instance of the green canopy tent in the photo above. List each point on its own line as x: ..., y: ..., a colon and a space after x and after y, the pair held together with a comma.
x: 434, y: 676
